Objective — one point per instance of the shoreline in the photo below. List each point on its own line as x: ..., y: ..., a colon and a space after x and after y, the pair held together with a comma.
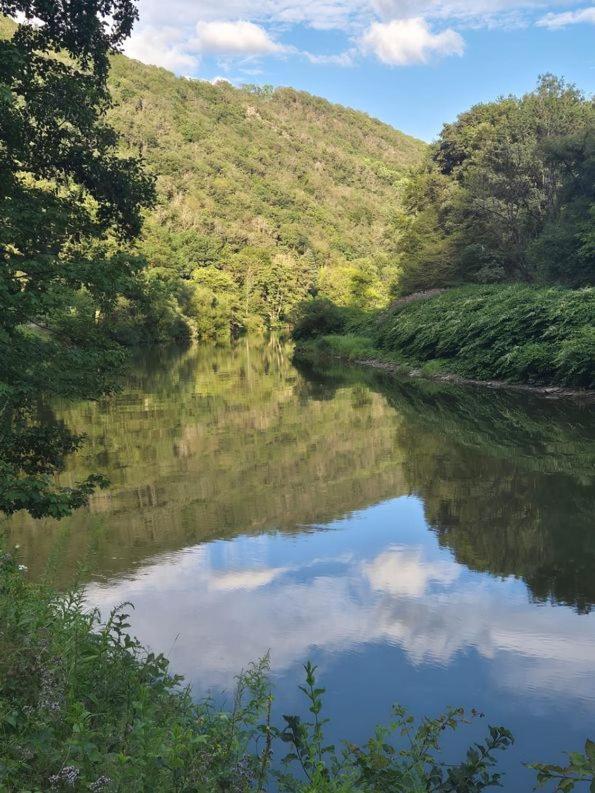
x: 394, y: 368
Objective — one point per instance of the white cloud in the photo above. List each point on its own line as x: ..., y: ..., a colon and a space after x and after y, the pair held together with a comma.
x: 321, y: 14
x: 406, y: 41
x: 403, y: 571
x: 346, y: 58
x: 351, y: 15
x: 469, y: 12
x: 582, y: 15
x: 178, y: 33
x: 164, y: 47
x: 240, y: 38
x: 246, y: 579
x: 404, y: 596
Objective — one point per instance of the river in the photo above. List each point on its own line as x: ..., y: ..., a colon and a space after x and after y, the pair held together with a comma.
x: 422, y: 544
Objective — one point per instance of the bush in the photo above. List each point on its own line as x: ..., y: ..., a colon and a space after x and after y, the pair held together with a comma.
x: 516, y: 333
x: 84, y: 707
x: 318, y: 317
x: 519, y: 334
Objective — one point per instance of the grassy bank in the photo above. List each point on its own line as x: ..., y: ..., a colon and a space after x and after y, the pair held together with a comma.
x: 516, y: 334
x: 84, y: 707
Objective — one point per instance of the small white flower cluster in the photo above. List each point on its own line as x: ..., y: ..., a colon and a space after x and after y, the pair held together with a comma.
x: 100, y: 784
x: 68, y: 776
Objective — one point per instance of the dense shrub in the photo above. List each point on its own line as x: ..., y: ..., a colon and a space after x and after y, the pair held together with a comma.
x: 318, y: 318
x: 84, y: 707
x: 514, y: 333
x: 518, y: 334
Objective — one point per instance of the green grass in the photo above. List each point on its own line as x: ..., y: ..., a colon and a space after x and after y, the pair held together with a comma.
x: 84, y: 707
x: 351, y: 346
x: 517, y: 334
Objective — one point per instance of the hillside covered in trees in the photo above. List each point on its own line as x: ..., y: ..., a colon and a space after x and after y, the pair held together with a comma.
x: 501, y: 215
x: 264, y: 196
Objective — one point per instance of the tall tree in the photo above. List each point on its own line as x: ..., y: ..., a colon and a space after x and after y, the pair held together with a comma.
x: 501, y: 180
x: 66, y: 200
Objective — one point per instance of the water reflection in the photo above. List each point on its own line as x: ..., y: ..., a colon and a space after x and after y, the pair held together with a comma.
x: 207, y: 444
x: 377, y: 577
x: 506, y: 479
x: 211, y: 444
x: 426, y: 544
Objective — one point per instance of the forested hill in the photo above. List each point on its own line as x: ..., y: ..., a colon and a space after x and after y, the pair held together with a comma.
x: 264, y: 197
x: 257, y: 166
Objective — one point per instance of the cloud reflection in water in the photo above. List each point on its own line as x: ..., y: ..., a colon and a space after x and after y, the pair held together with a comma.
x: 377, y: 577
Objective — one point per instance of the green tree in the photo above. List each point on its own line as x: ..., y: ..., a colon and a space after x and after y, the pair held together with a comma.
x: 280, y: 285
x: 215, y: 304
x: 506, y: 194
x: 565, y: 250
x: 68, y: 201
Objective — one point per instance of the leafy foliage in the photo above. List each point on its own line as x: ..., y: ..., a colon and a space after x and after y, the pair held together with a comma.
x: 579, y: 770
x: 383, y: 764
x: 505, y: 194
x: 84, y: 707
x: 515, y: 333
x: 65, y: 191
x: 318, y: 318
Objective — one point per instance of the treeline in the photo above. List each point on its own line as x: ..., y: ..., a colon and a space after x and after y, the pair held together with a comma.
x: 500, y: 215
x: 506, y: 193
x: 263, y: 197
x: 267, y: 199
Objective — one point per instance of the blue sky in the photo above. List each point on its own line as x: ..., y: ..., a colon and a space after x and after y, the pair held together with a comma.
x: 412, y: 63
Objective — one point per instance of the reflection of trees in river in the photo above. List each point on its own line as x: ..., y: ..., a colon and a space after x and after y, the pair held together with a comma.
x: 502, y: 519
x: 214, y: 443
x: 506, y: 480
x: 507, y: 485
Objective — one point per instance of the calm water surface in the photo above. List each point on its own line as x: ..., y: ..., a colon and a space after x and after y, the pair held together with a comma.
x: 422, y: 544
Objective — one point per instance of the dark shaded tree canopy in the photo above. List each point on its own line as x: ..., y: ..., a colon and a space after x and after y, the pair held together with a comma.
x: 65, y: 192
x: 507, y: 193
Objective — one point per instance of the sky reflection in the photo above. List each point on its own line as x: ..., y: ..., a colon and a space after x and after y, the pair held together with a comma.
x: 377, y: 577
x: 256, y: 506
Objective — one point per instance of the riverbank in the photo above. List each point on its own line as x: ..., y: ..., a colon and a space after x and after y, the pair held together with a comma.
x: 519, y: 337
x: 312, y: 353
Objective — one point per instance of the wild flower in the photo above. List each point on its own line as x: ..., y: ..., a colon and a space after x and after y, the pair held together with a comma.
x: 100, y: 784
x: 69, y: 775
